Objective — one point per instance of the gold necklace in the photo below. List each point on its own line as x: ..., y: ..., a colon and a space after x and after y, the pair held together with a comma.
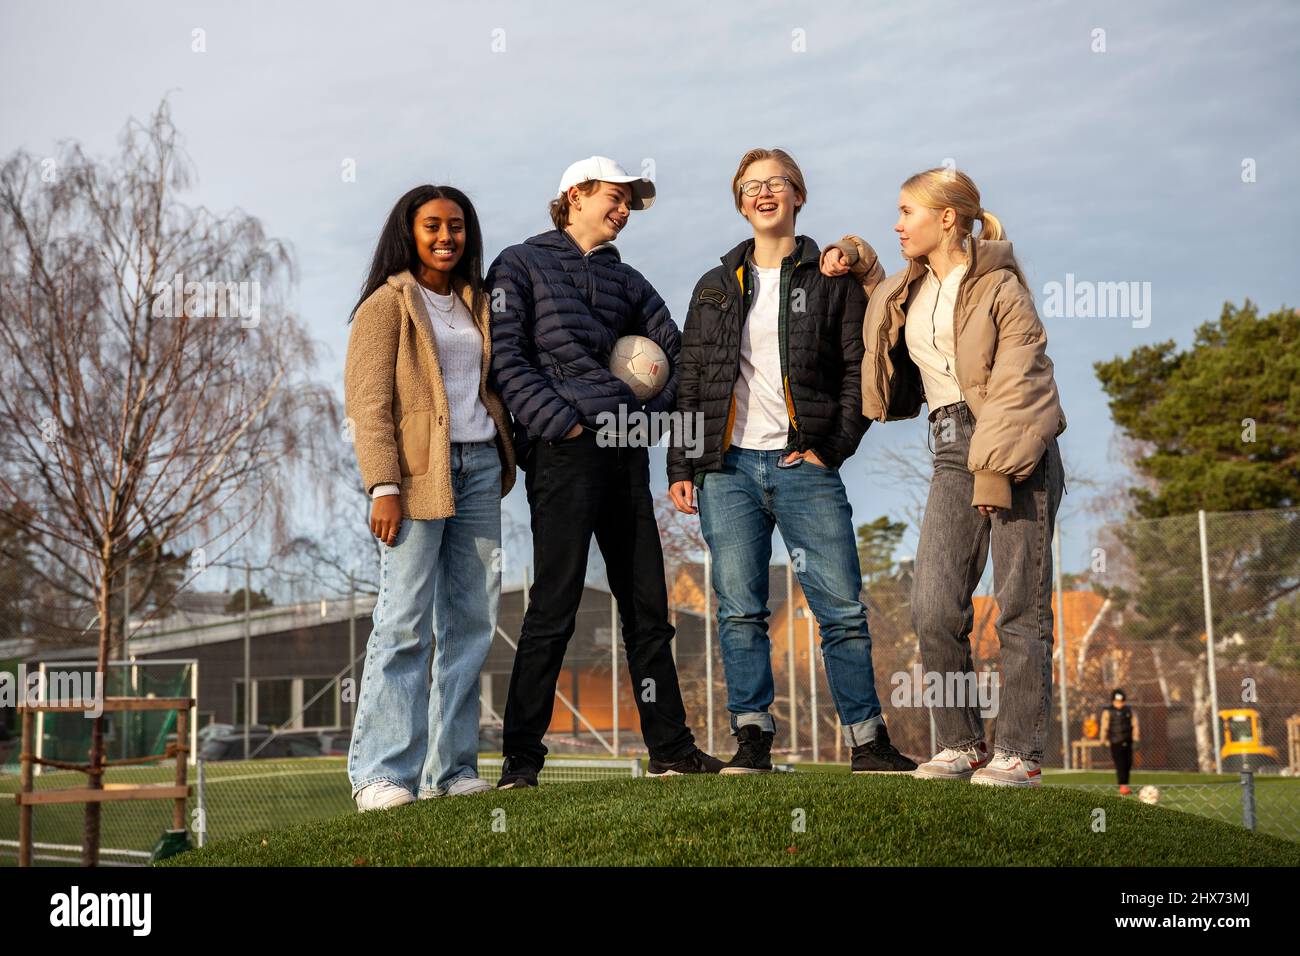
x: 442, y: 313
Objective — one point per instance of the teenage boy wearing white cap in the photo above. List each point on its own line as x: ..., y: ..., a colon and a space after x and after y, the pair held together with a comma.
x: 560, y: 301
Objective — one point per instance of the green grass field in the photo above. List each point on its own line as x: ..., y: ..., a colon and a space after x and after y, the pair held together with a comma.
x: 262, y: 798
x: 720, y: 821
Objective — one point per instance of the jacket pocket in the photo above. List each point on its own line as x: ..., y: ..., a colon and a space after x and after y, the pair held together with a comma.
x: 413, y: 434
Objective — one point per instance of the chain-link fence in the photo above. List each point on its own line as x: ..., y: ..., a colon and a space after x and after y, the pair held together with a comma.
x: 1135, y: 617
x: 228, y: 799
x: 259, y: 797
x: 1264, y: 805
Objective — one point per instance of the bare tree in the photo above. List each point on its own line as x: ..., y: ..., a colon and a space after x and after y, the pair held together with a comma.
x: 911, y: 466
x: 152, y: 386
x: 344, y: 556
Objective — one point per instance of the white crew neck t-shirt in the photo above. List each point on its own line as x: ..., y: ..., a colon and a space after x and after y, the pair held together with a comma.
x: 762, y: 421
x: 460, y: 353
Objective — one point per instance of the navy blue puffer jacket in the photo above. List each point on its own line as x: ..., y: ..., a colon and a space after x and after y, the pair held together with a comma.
x: 556, y: 314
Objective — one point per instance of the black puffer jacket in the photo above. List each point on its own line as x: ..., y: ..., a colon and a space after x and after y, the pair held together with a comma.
x: 820, y: 331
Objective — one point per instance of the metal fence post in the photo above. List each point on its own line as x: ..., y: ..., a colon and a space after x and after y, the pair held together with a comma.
x: 1247, y: 794
x: 1060, y: 645
x: 202, y: 804
x: 812, y: 688
x: 248, y: 652
x: 613, y: 667
x: 1209, y: 644
x: 708, y: 647
x: 352, y: 647
x: 789, y: 648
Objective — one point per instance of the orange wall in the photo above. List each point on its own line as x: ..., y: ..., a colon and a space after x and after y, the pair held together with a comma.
x: 593, y: 699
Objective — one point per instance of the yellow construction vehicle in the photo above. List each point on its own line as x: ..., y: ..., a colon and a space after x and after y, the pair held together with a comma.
x: 1243, y: 741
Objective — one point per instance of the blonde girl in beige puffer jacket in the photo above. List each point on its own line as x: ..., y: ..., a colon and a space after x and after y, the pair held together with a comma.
x: 957, y: 329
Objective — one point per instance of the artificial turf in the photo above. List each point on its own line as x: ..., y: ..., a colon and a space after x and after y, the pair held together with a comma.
x: 818, y: 819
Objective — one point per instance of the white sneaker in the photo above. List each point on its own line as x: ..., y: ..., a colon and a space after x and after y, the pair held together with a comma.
x: 382, y: 796
x: 950, y: 764
x: 1008, y: 770
x: 460, y: 787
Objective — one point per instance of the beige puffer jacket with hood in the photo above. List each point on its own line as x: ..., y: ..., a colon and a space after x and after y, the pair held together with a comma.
x: 1002, y: 365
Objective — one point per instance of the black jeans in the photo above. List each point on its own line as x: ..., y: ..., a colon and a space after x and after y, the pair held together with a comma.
x: 1122, y: 753
x: 576, y: 489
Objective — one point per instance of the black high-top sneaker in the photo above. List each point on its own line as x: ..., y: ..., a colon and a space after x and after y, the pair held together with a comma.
x: 755, y: 752
x: 880, y: 756
x: 517, y: 773
x: 697, y: 761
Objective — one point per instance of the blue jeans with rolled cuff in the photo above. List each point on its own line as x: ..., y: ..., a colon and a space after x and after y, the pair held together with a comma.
x: 739, y: 506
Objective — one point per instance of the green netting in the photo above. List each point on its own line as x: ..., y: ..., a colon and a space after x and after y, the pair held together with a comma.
x: 126, y: 734
x: 9, y: 725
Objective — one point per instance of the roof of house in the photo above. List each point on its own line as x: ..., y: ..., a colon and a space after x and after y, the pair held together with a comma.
x: 1081, y: 611
x: 686, y: 586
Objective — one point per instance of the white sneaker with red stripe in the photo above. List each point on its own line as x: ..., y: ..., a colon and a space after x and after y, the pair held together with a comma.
x: 950, y: 764
x: 1009, y: 770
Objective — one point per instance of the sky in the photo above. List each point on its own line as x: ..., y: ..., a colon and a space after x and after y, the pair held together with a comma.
x: 1110, y: 138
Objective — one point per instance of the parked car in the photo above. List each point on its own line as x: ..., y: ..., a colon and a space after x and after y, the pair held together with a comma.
x: 223, y: 730
x: 262, y: 745
x: 335, y: 743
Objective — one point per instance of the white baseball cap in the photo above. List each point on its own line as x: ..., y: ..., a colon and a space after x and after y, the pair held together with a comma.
x: 605, y: 170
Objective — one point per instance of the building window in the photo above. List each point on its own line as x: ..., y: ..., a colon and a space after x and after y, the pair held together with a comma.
x: 274, y: 699
x: 286, y: 703
x: 324, y: 710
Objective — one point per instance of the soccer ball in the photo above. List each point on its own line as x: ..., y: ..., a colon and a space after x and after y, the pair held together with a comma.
x: 641, y: 363
x: 1149, y: 794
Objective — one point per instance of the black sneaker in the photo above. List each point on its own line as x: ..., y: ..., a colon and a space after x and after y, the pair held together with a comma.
x: 755, y: 752
x: 880, y: 756
x: 697, y: 761
x: 517, y: 773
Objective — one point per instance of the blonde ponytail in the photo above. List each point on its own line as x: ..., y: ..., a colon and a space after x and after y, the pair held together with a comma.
x: 947, y: 188
x: 990, y: 225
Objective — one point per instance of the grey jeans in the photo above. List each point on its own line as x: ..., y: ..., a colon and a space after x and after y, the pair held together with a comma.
x: 950, y: 559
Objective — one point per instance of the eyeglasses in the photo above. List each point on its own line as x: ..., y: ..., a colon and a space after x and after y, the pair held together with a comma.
x: 753, y: 187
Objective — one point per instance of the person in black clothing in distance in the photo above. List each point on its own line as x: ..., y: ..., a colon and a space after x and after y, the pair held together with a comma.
x: 1119, y: 728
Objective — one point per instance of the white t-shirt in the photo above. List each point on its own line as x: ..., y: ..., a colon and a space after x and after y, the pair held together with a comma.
x: 930, y: 340
x: 460, y: 353
x: 762, y: 420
